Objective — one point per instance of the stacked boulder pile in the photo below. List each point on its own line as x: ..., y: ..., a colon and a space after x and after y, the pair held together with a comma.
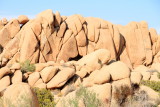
x: 72, y: 51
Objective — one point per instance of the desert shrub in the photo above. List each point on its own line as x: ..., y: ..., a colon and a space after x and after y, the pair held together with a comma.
x: 122, y: 93
x: 45, y: 97
x: 26, y: 66
x: 155, y: 85
x: 140, y: 99
x: 89, y: 99
x: 158, y: 75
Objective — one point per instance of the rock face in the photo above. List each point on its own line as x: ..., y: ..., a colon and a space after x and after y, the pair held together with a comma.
x: 54, y: 37
x: 15, y: 93
x: 72, y: 51
x: 118, y: 70
x: 22, y: 19
x: 61, y: 78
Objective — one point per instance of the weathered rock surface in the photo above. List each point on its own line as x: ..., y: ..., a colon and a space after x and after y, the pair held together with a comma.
x: 4, y: 82
x: 33, y: 78
x: 118, y: 70
x: 51, y: 37
x: 48, y: 72
x: 4, y: 71
x: 61, y: 78
x: 17, y: 77
x: 74, y: 51
x: 22, y: 19
x: 19, y: 94
x: 136, y: 77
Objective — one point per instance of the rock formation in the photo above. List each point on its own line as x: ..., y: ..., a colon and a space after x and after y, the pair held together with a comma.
x: 74, y: 50
x: 52, y: 37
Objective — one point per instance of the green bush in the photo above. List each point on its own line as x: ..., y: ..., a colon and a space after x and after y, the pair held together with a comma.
x: 45, y: 97
x: 155, y: 85
x: 27, y: 67
x: 89, y: 98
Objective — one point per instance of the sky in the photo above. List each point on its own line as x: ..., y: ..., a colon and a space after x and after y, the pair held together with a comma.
x: 115, y: 11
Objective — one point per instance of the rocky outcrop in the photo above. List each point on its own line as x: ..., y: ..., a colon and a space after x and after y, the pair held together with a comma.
x: 74, y: 51
x: 52, y: 37
x: 15, y: 93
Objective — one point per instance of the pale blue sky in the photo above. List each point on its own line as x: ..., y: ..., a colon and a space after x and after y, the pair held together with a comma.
x: 115, y: 11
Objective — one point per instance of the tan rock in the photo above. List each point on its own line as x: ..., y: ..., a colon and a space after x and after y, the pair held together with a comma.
x: 83, y: 72
x: 105, y: 41
x: 90, y: 26
x: 11, y: 50
x: 48, y: 16
x: 67, y: 35
x: 90, y: 62
x: 103, y: 92
x: 4, y: 20
x: 48, y: 73
x: 69, y: 96
x: 22, y: 19
x: 50, y: 63
x: 125, y: 58
x: 82, y: 51
x: 117, y: 40
x: 29, y: 44
x: 154, y: 77
x: 90, y: 47
x: 57, y: 45
x: 135, y: 77
x: 42, y: 85
x: 37, y: 28
x: 67, y: 89
x: 104, y: 24
x: 62, y: 30
x: 1, y: 24
x: 64, y: 18
x: 153, y: 35
x: 61, y: 78
x: 78, y: 82
x: 17, y: 77
x: 58, y: 19
x: 102, y: 76
x: 81, y: 39
x: 25, y: 76
x: 74, y: 23
x: 8, y: 32
x: 20, y: 94
x: 156, y: 66
x: 147, y: 43
x: 15, y: 66
x: 95, y: 59
x: 153, y: 96
x: 157, y: 47
x: 33, y: 78
x: 68, y: 50
x: 39, y: 67
x: 134, y: 38
x: 88, y: 81
x: 144, y: 71
x: 4, y: 71
x: 39, y: 82
x: 118, y: 70
x: 103, y: 55
x: 4, y: 83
